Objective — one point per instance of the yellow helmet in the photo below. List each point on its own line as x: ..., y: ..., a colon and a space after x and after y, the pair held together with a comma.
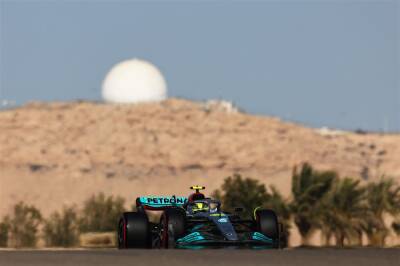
x: 200, y: 207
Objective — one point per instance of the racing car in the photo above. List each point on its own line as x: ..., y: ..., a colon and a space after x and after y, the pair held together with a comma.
x: 195, y: 222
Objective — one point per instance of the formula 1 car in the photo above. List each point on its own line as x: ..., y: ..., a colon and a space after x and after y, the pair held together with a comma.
x: 195, y: 222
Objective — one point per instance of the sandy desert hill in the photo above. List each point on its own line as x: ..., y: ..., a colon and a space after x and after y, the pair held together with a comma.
x: 54, y: 154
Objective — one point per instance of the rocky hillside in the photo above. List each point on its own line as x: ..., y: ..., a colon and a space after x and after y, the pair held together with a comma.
x: 60, y: 153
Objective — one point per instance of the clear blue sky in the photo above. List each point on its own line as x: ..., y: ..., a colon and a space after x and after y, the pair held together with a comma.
x: 322, y: 63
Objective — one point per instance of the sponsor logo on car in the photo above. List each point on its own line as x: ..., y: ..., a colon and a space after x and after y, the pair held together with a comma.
x: 163, y: 200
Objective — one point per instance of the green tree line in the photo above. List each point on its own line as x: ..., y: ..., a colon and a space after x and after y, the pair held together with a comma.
x: 341, y: 208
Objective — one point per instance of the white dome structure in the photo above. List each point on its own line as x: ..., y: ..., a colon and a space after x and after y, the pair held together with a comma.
x: 134, y: 81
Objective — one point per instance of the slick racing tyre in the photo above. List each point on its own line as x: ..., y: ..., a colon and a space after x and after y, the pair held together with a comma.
x: 173, y: 227
x: 267, y: 224
x: 134, y: 231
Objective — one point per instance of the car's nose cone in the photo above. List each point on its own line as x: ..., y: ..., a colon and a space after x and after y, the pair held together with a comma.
x: 231, y: 236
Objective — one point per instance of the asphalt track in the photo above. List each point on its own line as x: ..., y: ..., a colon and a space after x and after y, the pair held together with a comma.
x: 287, y: 257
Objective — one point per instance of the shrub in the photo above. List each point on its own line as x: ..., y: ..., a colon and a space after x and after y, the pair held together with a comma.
x: 61, y: 229
x: 24, y: 225
x: 101, y: 213
x: 241, y: 192
x: 4, y: 230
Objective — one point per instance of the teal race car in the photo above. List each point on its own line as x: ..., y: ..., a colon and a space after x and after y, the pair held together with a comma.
x: 195, y: 222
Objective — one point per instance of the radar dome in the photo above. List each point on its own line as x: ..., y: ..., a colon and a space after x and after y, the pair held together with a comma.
x: 134, y: 81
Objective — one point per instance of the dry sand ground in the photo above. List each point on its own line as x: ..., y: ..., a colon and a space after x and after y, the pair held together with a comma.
x: 55, y: 154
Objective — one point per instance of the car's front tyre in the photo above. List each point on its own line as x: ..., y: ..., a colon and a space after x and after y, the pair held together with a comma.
x: 267, y: 224
x: 134, y: 231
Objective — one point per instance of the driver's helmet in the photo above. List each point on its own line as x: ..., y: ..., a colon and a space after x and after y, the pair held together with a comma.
x: 200, y: 207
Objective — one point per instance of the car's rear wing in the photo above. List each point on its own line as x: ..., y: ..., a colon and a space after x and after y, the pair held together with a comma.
x: 160, y: 203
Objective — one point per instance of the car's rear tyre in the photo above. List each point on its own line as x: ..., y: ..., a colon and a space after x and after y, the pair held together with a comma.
x: 173, y: 227
x: 134, y: 230
x: 267, y: 224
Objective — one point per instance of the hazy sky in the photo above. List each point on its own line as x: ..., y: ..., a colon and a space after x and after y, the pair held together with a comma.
x: 323, y: 63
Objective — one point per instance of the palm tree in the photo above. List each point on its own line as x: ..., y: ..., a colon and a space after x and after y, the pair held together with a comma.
x: 343, y: 212
x: 383, y: 198
x: 309, y: 187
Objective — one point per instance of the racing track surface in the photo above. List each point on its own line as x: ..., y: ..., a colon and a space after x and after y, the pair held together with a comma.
x: 308, y: 257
